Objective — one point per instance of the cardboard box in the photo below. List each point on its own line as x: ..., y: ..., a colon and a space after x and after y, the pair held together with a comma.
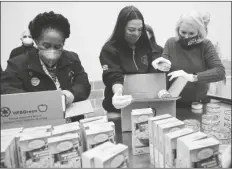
x: 145, y: 95
x: 88, y: 156
x: 14, y: 132
x: 7, y: 152
x: 34, y: 150
x: 44, y: 107
x: 183, y: 142
x: 113, y: 158
x: 177, y: 86
x: 201, y: 154
x: 140, y: 133
x: 171, y: 146
x: 78, y: 108
x: 64, y: 151
x: 95, y: 137
x: 151, y: 133
x: 164, y: 129
x: 156, y: 137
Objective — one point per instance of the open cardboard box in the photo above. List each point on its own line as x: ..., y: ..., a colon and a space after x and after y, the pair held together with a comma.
x: 144, y: 89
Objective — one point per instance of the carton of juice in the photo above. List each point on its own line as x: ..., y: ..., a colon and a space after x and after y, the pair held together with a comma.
x: 34, y: 150
x: 163, y: 129
x: 88, y: 156
x: 151, y: 133
x: 183, y: 142
x: 113, y: 158
x: 64, y: 151
x: 171, y: 144
x: 7, y: 152
x: 203, y: 153
x: 156, y: 137
x: 140, y: 133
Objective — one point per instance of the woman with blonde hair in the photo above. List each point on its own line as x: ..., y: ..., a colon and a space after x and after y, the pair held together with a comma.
x: 194, y: 58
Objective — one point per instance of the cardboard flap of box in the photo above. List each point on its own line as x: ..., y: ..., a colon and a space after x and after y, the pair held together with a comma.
x: 144, y: 85
x: 155, y: 99
x: 79, y: 108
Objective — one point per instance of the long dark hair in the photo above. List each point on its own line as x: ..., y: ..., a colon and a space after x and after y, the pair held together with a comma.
x: 128, y: 13
x: 153, y: 42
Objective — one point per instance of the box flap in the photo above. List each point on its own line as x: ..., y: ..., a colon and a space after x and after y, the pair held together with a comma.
x: 156, y: 99
x: 79, y: 108
x: 145, y: 85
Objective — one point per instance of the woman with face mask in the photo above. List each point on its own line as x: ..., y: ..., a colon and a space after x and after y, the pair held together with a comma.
x: 194, y: 58
x: 49, y: 67
x: 127, y: 51
x: 27, y: 45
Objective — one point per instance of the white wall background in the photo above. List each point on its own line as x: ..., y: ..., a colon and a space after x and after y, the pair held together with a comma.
x: 92, y: 23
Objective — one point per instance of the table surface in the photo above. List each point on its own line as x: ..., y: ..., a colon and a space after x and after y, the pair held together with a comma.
x: 143, y: 161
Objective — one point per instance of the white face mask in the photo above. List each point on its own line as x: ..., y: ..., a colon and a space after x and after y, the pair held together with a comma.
x: 27, y: 41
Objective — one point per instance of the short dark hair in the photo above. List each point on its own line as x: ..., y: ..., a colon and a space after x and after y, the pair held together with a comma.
x: 126, y: 14
x: 49, y: 20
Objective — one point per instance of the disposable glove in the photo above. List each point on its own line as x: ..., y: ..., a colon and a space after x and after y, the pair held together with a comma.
x: 119, y: 101
x: 181, y: 73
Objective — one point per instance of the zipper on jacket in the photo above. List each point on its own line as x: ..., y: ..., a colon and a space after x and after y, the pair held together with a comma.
x: 134, y: 60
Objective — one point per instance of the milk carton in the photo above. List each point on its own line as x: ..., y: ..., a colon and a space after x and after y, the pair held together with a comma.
x: 14, y: 132
x: 183, y: 142
x: 84, y: 125
x: 88, y: 156
x: 171, y: 144
x: 113, y: 158
x: 151, y: 133
x: 34, y: 150
x: 156, y: 137
x: 64, y: 151
x: 47, y: 128
x: 163, y: 129
x: 140, y: 136
x: 7, y: 153
x: 201, y: 154
x: 95, y: 137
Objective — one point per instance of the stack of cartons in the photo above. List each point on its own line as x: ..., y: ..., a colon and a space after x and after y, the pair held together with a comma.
x: 140, y: 133
x: 171, y: 146
x: 151, y: 134
x: 164, y: 129
x: 156, y: 137
x: 64, y: 151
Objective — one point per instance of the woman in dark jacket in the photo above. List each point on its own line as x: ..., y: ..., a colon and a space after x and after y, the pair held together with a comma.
x: 50, y: 67
x: 128, y: 51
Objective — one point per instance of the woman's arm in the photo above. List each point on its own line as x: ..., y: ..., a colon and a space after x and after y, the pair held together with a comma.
x: 215, y: 69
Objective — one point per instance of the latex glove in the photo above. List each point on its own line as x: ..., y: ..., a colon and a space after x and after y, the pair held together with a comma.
x: 68, y: 95
x: 226, y: 158
x: 120, y: 101
x: 159, y: 60
x: 181, y: 73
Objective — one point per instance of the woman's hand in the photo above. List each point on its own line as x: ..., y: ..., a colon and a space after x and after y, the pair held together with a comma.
x: 119, y: 101
x: 161, y: 64
x: 68, y: 96
x: 181, y: 73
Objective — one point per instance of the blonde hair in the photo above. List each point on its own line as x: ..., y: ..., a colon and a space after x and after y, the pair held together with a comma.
x: 199, y: 20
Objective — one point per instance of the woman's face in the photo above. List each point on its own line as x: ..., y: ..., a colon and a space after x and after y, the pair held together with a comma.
x: 50, y: 45
x: 133, y: 31
x: 188, y: 30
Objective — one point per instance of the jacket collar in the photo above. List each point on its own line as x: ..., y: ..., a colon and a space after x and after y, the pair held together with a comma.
x: 34, y: 62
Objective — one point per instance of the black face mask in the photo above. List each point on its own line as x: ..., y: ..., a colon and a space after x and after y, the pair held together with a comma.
x: 188, y: 41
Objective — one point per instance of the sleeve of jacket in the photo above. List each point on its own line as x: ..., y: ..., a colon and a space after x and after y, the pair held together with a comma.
x: 81, y: 87
x: 215, y: 69
x: 110, y: 62
x: 11, y: 82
